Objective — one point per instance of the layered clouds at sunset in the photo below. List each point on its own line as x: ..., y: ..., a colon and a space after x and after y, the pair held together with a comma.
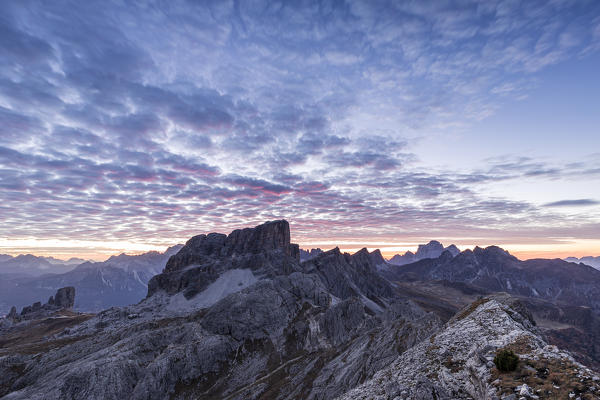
x: 136, y: 126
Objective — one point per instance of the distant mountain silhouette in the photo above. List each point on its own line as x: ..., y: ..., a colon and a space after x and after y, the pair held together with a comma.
x: 118, y: 281
x: 494, y: 269
x: 30, y: 265
x: 433, y: 249
x: 589, y: 260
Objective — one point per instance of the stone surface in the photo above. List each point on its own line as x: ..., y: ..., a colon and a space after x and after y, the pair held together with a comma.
x: 452, y: 364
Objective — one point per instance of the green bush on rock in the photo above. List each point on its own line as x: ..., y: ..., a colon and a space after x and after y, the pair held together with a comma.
x: 506, y: 360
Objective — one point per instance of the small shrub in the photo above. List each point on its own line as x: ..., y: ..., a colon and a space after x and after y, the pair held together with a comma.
x: 506, y: 360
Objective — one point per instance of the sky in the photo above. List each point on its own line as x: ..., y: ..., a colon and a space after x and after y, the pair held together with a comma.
x: 132, y: 126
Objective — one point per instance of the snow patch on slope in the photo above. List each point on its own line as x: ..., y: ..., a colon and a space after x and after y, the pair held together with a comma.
x: 231, y: 281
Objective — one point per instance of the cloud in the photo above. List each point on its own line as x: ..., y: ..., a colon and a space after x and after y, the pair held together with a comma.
x: 573, y: 203
x: 130, y: 122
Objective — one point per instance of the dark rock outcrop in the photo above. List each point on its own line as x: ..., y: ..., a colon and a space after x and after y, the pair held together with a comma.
x: 348, y: 275
x: 63, y: 299
x: 377, y: 257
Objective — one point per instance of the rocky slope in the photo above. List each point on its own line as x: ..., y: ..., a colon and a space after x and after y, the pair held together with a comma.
x: 457, y: 362
x: 232, y: 317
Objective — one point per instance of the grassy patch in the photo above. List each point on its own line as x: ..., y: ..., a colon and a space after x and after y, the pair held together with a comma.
x: 549, y: 378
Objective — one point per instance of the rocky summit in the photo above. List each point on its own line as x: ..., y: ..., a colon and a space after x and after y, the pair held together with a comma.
x: 239, y: 316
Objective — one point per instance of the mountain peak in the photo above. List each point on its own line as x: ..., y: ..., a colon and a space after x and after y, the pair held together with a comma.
x: 433, y: 249
x: 263, y: 250
x: 492, y: 250
x: 267, y: 237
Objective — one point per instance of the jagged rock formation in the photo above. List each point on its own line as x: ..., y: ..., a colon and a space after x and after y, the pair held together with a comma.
x: 234, y: 317
x: 265, y: 251
x: 13, y: 313
x: 433, y: 249
x: 377, y: 257
x: 63, y: 299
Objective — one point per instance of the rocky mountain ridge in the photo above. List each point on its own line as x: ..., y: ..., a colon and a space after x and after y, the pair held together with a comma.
x: 457, y: 362
x: 308, y: 254
x: 234, y: 317
x: 563, y: 295
x: 239, y: 316
x: 494, y: 269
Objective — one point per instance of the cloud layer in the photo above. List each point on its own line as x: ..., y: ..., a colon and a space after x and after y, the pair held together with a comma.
x: 151, y: 122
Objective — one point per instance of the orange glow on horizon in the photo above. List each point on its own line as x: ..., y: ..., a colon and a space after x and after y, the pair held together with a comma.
x: 100, y: 251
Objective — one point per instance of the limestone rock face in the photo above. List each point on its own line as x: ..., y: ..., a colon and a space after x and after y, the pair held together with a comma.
x: 265, y: 238
x: 266, y: 250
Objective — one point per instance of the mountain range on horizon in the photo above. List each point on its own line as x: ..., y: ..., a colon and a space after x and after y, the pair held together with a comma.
x: 33, y: 265
x: 122, y: 279
x: 241, y: 316
x: 119, y: 280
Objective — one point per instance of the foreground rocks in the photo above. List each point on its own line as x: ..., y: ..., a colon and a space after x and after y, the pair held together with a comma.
x: 457, y: 361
